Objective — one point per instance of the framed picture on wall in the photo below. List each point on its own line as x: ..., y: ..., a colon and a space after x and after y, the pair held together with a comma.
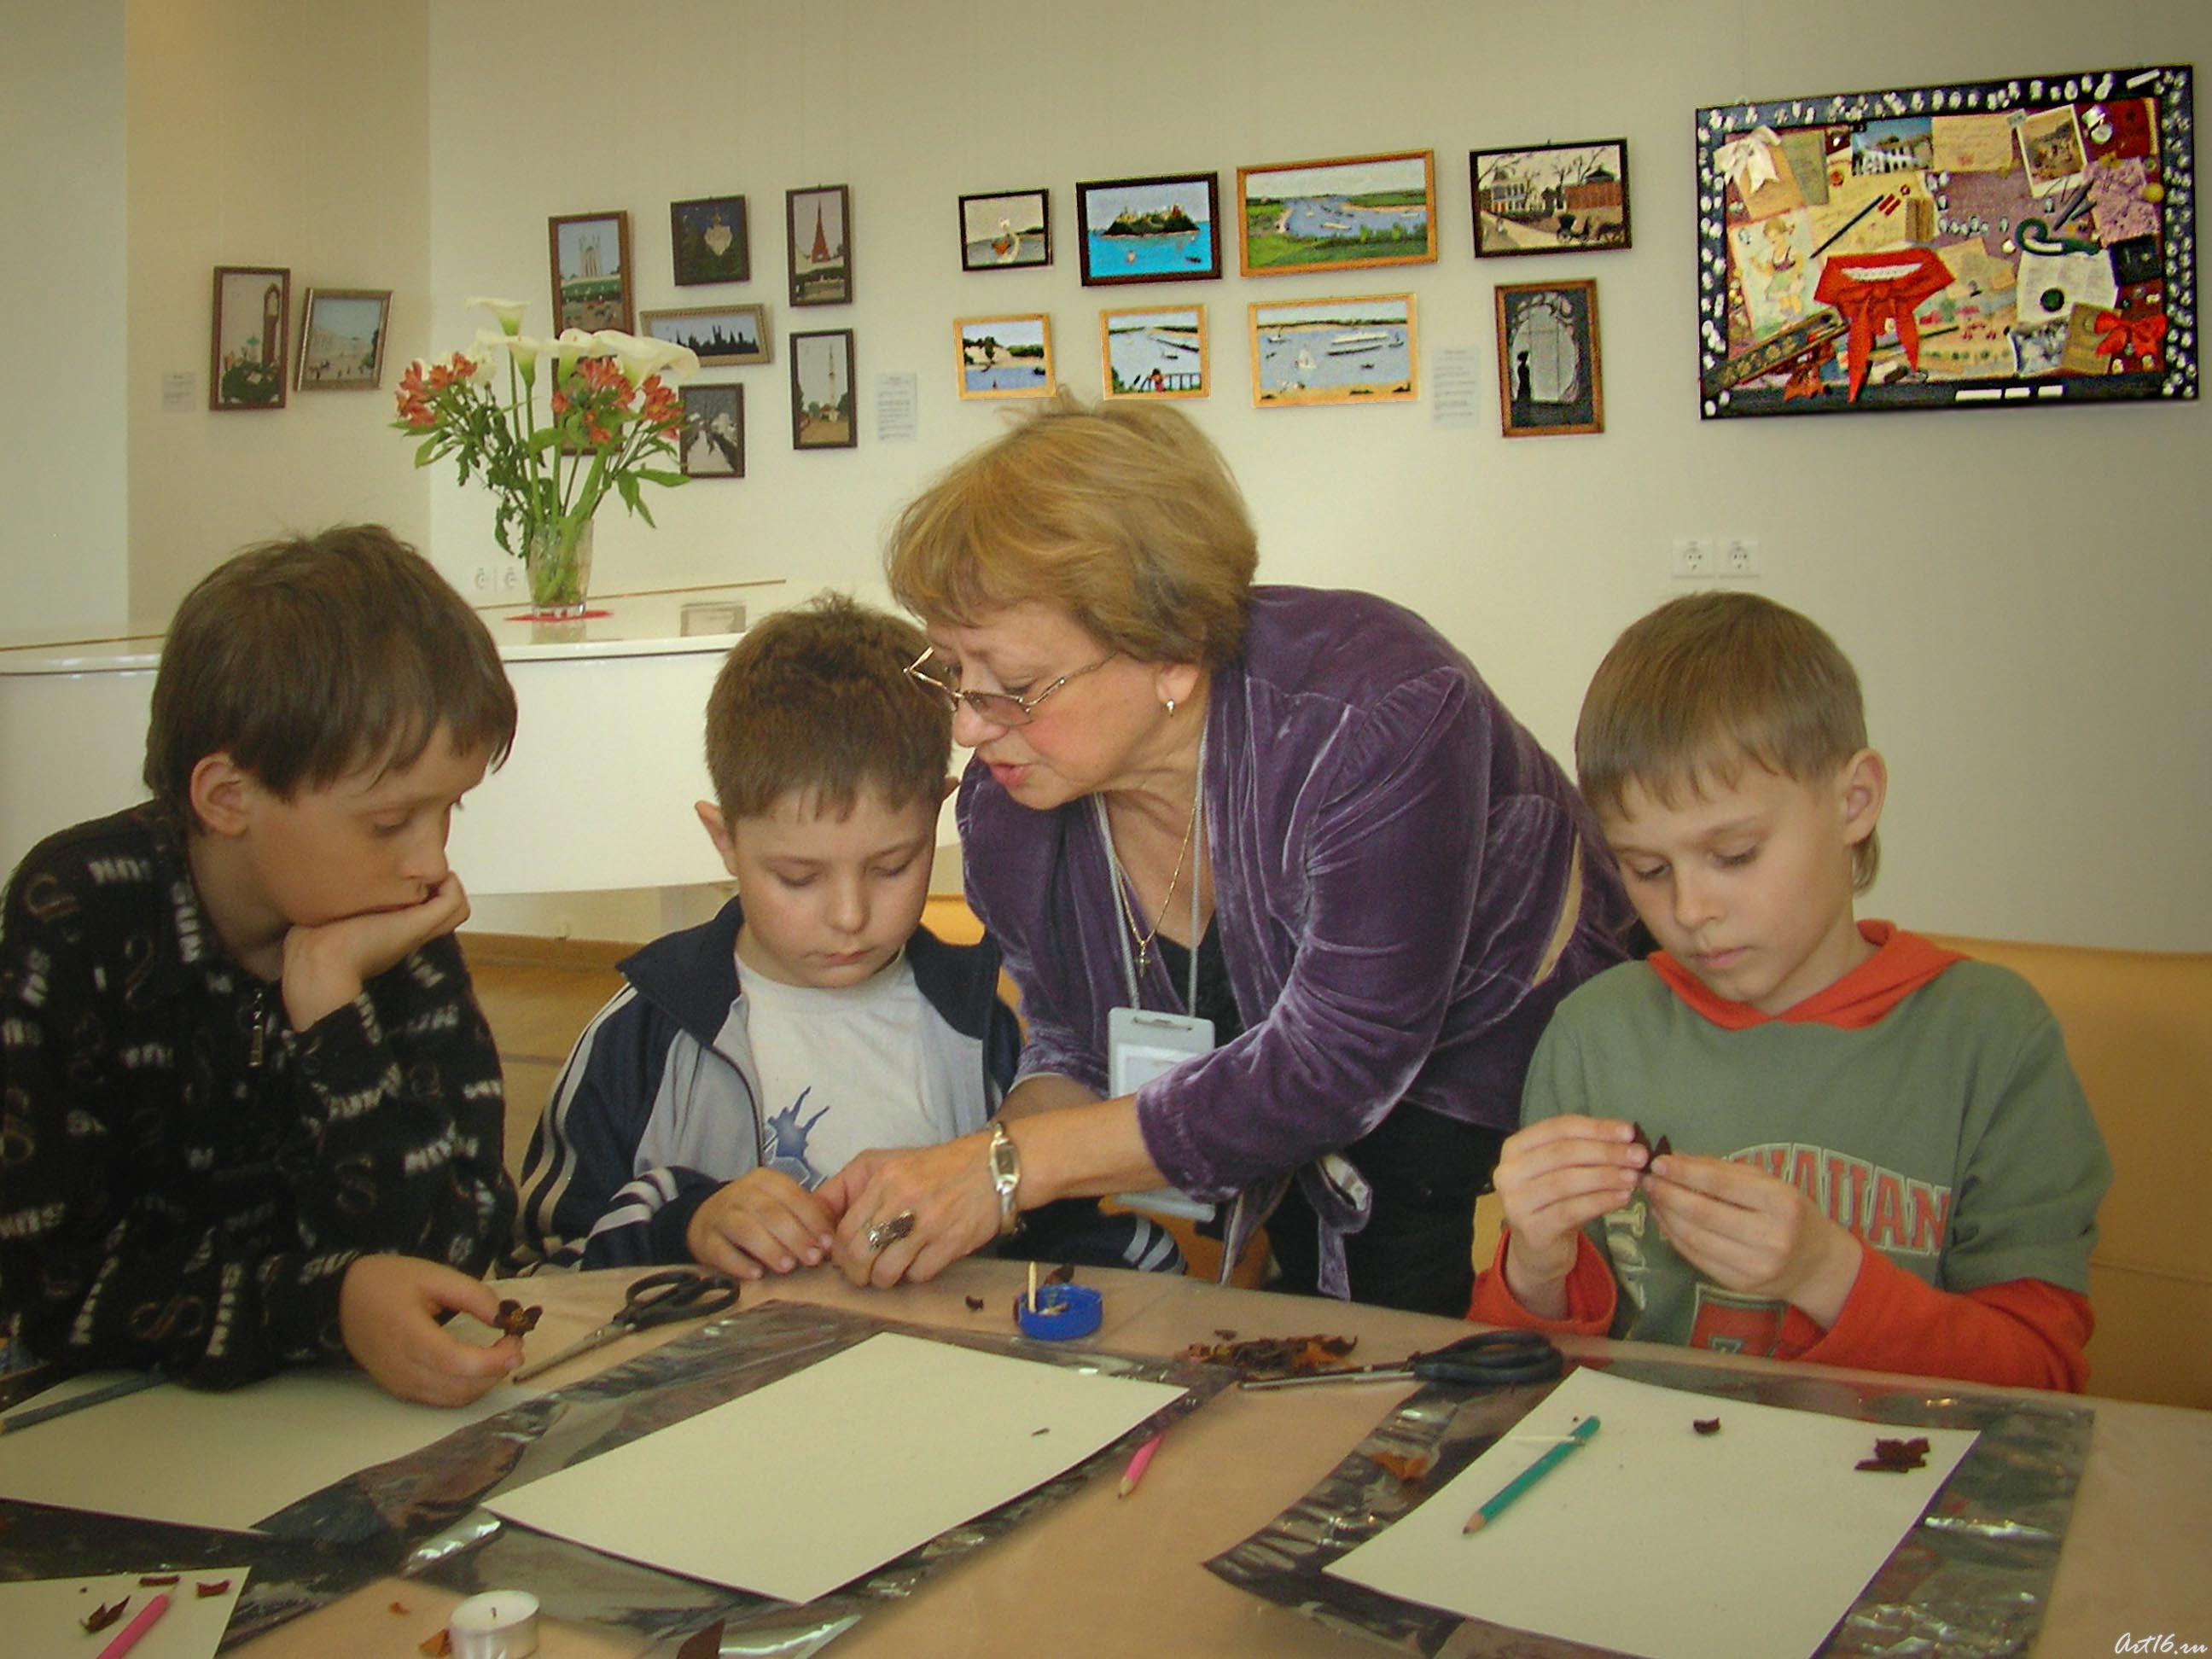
x: 591, y: 272
x: 1549, y: 378
x: 723, y: 337
x: 1349, y: 214
x: 822, y: 397
x: 714, y: 431
x: 1006, y: 231
x: 1164, y: 229
x: 708, y: 242
x: 341, y: 339
x: 1554, y: 198
x: 817, y: 224
x: 247, y: 338
x: 1154, y: 351
x: 2028, y: 243
x: 1356, y: 349
x: 1005, y: 357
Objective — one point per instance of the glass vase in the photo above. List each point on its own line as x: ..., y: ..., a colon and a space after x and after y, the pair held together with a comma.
x: 557, y: 563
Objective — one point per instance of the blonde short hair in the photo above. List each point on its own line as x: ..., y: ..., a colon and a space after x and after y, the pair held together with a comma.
x: 1124, y: 516
x: 1706, y: 684
x: 816, y: 700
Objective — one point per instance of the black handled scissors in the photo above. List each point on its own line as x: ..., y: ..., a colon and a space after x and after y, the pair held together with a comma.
x: 663, y: 1298
x: 1488, y: 1359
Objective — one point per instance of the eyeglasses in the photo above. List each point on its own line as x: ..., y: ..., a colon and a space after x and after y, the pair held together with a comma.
x: 999, y: 708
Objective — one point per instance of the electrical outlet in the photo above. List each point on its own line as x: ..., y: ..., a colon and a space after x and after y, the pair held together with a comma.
x: 1693, y: 556
x: 510, y: 576
x: 484, y: 579
x: 1740, y: 555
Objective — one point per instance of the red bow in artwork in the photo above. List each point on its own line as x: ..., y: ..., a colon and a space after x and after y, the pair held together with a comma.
x: 2129, y: 337
x: 1877, y: 292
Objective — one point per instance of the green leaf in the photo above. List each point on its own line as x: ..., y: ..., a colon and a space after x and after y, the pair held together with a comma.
x: 668, y: 480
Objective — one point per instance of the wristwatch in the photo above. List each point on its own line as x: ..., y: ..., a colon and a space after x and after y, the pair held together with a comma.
x: 1005, y: 1177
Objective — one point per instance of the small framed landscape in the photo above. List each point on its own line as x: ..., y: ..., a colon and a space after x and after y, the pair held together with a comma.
x: 1005, y: 357
x: 818, y: 224
x: 714, y: 431
x: 247, y: 337
x: 1357, y: 349
x: 707, y: 241
x: 822, y: 390
x: 1549, y: 376
x: 1554, y: 198
x: 1008, y: 231
x: 591, y: 272
x: 1350, y: 213
x: 1165, y: 229
x: 724, y: 336
x: 341, y: 339
x: 1154, y: 351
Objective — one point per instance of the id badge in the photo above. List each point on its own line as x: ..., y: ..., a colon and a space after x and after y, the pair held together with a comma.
x: 1140, y: 1045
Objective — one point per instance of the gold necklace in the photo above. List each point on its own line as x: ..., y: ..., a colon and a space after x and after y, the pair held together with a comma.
x: 1121, y: 889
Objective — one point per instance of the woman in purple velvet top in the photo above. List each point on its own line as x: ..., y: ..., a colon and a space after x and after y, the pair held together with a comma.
x: 1388, y: 885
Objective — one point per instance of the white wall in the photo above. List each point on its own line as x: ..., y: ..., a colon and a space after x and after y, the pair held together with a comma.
x: 63, y: 441
x: 269, y: 132
x: 2026, y: 593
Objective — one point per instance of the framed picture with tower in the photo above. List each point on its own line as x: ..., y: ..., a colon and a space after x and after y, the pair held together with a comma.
x: 819, y: 224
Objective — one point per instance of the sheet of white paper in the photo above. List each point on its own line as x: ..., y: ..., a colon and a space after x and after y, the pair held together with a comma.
x: 1456, y: 386
x: 803, y: 1485
x: 897, y: 418
x: 1655, y: 1540
x: 43, y: 1616
x: 221, y: 1460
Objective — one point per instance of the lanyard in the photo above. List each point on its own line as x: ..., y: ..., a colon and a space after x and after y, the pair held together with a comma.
x: 1121, y: 878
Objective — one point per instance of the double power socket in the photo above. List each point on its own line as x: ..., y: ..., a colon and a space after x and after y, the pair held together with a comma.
x: 1697, y: 557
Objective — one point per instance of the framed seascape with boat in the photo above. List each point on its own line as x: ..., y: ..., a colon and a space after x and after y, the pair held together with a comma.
x: 1549, y: 380
x: 1553, y: 199
x: 247, y: 337
x: 1005, y: 357
x: 1358, y: 349
x: 1010, y: 230
x: 1349, y: 214
x: 708, y: 242
x: 818, y: 226
x: 723, y: 337
x: 341, y: 339
x: 1154, y: 351
x: 2028, y: 243
x: 1163, y: 229
x: 591, y: 272
x: 821, y: 401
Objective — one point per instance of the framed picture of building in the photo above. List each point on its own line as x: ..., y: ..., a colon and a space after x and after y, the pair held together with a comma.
x: 1553, y: 198
x: 247, y: 337
x: 822, y: 400
x: 818, y: 229
x: 341, y: 339
x: 722, y: 337
x: 1549, y: 381
x: 591, y: 272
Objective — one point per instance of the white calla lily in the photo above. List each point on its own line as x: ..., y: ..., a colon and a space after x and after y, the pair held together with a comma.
x: 509, y: 312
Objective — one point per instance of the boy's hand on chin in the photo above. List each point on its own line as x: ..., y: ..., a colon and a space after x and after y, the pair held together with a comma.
x: 388, y: 1315
x: 326, y: 965
x: 1748, y: 1231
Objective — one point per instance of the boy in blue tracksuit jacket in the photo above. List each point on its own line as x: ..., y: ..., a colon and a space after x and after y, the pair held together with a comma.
x: 748, y: 1058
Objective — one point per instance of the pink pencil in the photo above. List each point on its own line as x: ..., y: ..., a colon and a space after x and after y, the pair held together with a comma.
x: 1131, y: 1475
x: 127, y: 1638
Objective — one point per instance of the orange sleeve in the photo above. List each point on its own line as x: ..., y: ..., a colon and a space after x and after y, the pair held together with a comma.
x: 1590, y: 1295
x: 2024, y: 1333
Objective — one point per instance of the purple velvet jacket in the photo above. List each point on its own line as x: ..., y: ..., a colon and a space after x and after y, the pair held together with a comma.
x: 1391, y: 852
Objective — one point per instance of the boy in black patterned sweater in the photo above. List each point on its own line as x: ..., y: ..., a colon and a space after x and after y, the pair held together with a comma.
x: 252, y: 1114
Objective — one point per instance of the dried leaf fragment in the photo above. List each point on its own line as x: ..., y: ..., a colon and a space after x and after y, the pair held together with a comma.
x: 974, y: 1304
x: 1226, y: 1336
x: 1706, y: 1425
x: 204, y: 1587
x: 702, y: 1644
x: 101, y: 1617
x: 400, y: 1607
x: 437, y: 1645
x: 516, y: 1320
x: 1275, y: 1356
x: 1408, y: 1471
x: 157, y: 1580
x: 1896, y: 1456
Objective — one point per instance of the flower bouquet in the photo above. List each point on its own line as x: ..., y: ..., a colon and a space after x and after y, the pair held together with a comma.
x: 611, y: 411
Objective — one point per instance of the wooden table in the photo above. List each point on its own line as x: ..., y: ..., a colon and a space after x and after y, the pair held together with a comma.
x: 1103, y: 1575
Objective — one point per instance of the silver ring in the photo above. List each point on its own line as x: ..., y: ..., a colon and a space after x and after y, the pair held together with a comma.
x: 884, y: 1233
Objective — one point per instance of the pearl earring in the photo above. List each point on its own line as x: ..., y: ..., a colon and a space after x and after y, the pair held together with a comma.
x: 1171, y: 701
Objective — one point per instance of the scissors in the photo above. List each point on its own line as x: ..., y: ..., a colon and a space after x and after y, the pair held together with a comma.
x: 1488, y: 1359
x: 661, y: 1298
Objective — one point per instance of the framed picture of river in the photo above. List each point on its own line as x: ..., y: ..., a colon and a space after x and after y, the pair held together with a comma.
x: 1154, y: 351
x: 1345, y: 215
x: 1165, y: 229
x: 1548, y: 379
x: 1006, y: 357
x: 1357, y: 349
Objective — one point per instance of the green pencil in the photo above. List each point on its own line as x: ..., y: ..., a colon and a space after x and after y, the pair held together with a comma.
x: 99, y: 1396
x: 1578, y: 1437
